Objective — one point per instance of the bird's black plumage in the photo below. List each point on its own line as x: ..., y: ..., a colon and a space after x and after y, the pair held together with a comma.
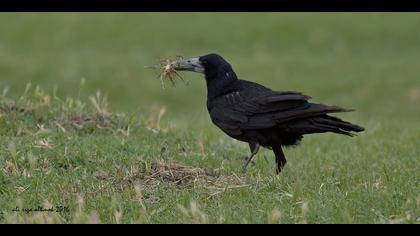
x: 255, y: 114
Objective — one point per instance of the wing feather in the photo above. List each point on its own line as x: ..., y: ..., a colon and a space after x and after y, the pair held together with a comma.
x: 237, y: 111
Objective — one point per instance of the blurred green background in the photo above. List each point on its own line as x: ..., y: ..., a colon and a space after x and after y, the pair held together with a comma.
x: 367, y: 61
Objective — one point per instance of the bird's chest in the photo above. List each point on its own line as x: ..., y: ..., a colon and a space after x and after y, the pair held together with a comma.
x: 224, y: 116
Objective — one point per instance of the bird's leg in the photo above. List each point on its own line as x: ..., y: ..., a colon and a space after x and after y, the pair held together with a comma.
x: 251, y: 148
x: 280, y: 158
x: 255, y: 147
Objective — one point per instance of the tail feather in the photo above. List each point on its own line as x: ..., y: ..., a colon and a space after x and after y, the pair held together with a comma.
x: 321, y: 124
x: 336, y: 125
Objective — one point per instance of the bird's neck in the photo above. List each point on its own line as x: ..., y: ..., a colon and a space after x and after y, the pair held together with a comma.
x: 218, y: 83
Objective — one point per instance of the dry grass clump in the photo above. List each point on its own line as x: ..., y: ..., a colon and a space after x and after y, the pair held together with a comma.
x: 185, y: 176
x: 180, y: 175
x: 167, y: 70
x: 149, y: 177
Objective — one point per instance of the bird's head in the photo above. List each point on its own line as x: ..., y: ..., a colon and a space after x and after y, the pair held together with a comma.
x: 213, y: 66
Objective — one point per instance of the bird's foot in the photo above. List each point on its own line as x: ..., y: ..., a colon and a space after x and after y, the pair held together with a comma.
x: 247, y: 162
x: 246, y: 158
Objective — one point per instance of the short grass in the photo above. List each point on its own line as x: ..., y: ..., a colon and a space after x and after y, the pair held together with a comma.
x: 63, y: 144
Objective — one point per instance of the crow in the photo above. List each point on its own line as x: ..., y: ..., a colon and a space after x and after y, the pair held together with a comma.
x: 253, y: 113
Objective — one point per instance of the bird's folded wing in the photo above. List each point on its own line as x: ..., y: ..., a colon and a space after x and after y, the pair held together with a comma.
x: 271, y: 102
x: 264, y: 111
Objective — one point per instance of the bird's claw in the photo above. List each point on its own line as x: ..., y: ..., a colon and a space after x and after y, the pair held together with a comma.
x: 247, y: 162
x: 245, y: 158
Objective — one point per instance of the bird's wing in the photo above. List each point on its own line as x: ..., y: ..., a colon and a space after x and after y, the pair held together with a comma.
x: 270, y: 102
x: 238, y: 111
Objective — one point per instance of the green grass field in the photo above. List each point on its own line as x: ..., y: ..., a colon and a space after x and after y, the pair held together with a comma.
x: 135, y: 153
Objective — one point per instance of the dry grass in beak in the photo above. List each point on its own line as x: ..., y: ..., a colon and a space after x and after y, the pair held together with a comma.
x: 168, y: 71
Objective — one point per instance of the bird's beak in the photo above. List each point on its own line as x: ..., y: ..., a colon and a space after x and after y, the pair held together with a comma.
x: 192, y: 64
